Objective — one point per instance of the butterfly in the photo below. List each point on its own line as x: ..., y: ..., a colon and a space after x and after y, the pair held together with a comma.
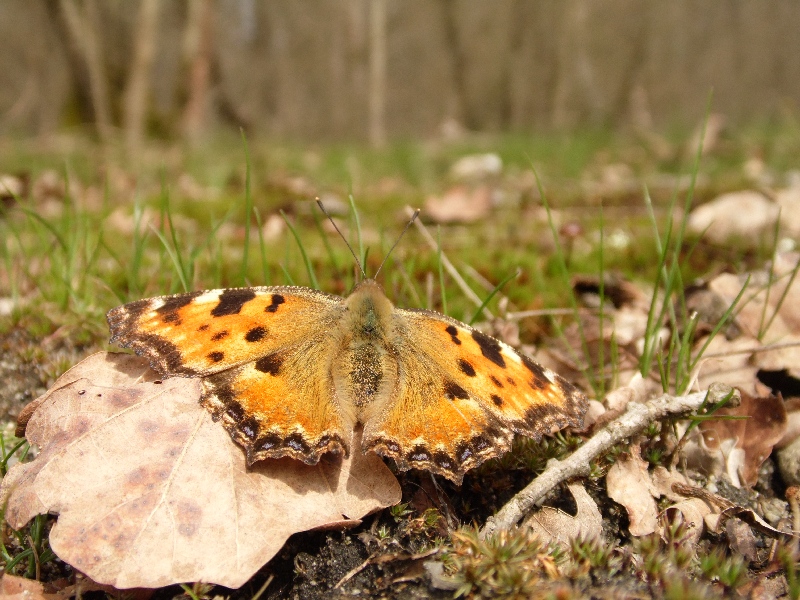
x: 291, y: 371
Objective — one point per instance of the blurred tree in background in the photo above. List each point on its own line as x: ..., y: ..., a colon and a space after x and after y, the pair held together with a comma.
x: 377, y: 69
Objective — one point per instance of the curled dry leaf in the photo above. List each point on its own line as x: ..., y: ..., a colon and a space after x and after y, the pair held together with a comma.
x: 749, y: 441
x: 551, y: 524
x: 628, y: 483
x: 691, y: 512
x: 150, y: 491
x: 730, y: 362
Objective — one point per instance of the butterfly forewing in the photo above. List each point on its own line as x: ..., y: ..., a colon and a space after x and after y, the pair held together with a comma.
x: 263, y: 357
x: 206, y: 332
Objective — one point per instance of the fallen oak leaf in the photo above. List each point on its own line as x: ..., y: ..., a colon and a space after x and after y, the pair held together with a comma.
x: 150, y: 491
x: 13, y: 587
x: 103, y: 369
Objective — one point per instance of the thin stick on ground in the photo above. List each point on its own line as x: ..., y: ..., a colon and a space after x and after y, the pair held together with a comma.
x: 633, y: 421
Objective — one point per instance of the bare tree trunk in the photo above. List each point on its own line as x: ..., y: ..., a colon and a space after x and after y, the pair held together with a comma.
x: 136, y: 91
x: 460, y: 110
x: 83, y: 30
x: 377, y: 72
x: 198, y: 45
x: 576, y: 93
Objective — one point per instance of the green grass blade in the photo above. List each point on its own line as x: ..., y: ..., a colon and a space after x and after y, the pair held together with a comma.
x: 492, y: 294
x: 309, y: 267
x: 361, y: 254
x: 175, y: 258
x: 266, y: 277
x: 248, y: 210
x: 442, y: 291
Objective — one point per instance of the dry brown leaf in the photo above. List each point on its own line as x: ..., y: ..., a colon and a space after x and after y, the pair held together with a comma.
x: 691, y: 512
x: 19, y: 588
x: 729, y: 362
x: 663, y: 479
x: 754, y: 436
x: 792, y: 406
x: 628, y: 483
x: 150, y: 491
x: 741, y: 539
x: 551, y: 524
x: 460, y: 204
x: 768, y: 311
x: 744, y: 214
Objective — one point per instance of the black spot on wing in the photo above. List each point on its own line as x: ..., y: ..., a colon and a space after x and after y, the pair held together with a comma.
x: 231, y: 301
x: 216, y: 356
x: 269, y: 364
x: 453, y: 334
x: 490, y: 347
x: 466, y: 367
x: 496, y: 381
x: 452, y: 391
x: 540, y: 379
x: 256, y: 334
x: 497, y: 400
x: 173, y: 303
x: 203, y: 327
x: 172, y: 317
x: 277, y: 300
x: 219, y: 335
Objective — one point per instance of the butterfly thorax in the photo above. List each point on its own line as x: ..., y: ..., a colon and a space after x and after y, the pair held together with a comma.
x: 366, y: 371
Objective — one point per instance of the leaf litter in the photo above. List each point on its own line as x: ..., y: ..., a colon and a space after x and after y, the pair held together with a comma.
x: 151, y: 442
x: 150, y: 491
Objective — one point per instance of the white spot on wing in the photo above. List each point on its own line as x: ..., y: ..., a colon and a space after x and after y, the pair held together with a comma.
x: 509, y: 352
x: 209, y: 296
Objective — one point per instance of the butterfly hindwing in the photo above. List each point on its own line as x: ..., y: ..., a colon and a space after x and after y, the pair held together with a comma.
x: 462, y: 395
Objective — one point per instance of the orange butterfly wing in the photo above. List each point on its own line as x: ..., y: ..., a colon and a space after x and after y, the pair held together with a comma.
x: 461, y: 395
x: 252, y: 347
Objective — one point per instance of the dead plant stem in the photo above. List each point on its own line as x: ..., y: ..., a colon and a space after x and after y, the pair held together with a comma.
x: 637, y: 417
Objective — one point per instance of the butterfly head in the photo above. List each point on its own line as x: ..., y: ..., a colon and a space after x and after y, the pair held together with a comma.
x: 369, y: 309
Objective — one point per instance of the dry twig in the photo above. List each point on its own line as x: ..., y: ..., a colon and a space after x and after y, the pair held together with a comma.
x: 634, y: 420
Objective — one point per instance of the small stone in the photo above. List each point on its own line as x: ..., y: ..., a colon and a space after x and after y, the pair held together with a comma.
x: 789, y: 463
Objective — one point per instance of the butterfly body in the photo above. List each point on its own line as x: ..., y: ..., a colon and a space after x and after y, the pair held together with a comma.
x: 290, y: 371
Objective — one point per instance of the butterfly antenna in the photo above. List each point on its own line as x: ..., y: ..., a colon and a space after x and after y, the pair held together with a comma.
x: 349, y: 247
x: 400, y: 237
